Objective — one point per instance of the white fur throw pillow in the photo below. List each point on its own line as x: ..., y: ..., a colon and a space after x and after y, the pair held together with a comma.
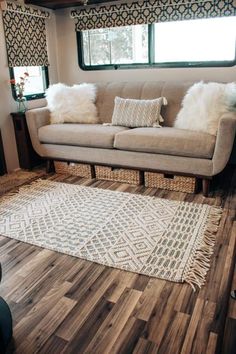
x: 72, y: 104
x: 204, y: 104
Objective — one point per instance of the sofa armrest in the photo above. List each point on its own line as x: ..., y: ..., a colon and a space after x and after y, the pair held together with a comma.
x: 224, y: 141
x: 37, y: 118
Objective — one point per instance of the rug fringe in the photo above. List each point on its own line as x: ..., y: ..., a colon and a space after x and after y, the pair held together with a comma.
x: 196, y: 275
x: 5, y: 197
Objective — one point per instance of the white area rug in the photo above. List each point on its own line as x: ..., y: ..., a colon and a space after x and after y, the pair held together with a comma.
x: 161, y: 238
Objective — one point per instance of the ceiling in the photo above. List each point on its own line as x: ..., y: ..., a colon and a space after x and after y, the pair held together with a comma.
x: 60, y: 4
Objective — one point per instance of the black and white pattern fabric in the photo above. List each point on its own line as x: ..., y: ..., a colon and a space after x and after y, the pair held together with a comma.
x: 25, y: 32
x: 149, y: 11
x: 138, y: 113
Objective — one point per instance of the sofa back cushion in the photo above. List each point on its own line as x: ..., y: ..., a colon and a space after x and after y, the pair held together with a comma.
x: 173, y: 91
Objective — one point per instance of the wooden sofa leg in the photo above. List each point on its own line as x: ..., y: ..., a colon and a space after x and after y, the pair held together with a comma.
x: 92, y: 171
x: 205, y: 186
x: 50, y: 168
x: 141, y: 178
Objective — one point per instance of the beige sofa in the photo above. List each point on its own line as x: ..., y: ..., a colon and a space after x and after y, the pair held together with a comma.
x: 166, y: 149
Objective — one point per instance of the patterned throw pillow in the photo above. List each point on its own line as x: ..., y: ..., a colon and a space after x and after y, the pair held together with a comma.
x: 138, y: 113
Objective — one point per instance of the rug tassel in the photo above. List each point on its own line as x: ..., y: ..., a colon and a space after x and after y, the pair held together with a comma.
x: 9, y: 195
x: 196, y: 275
x: 21, y: 189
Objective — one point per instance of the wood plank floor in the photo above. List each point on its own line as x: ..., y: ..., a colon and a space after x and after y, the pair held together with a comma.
x: 229, y: 344
x: 62, y: 304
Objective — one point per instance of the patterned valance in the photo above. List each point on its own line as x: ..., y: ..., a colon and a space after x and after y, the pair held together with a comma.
x: 22, y: 9
x: 25, y: 33
x: 150, y: 11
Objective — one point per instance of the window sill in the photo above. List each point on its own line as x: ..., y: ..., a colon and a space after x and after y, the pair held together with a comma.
x: 37, y: 96
x: 172, y: 65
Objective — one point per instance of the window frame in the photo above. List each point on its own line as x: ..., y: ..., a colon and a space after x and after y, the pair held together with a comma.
x: 35, y: 96
x: 151, y: 61
x: 85, y: 67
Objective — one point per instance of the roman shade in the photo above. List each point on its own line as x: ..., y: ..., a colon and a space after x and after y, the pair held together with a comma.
x: 150, y: 11
x: 25, y: 33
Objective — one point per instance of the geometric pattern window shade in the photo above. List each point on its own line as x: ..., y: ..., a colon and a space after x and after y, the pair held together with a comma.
x: 25, y: 33
x: 149, y: 11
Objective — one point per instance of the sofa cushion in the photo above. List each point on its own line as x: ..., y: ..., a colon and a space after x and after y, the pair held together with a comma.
x: 168, y: 141
x: 204, y: 104
x: 72, y: 104
x: 92, y: 135
x: 174, y: 91
x: 137, y: 113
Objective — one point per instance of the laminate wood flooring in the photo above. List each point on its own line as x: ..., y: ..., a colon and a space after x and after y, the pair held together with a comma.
x: 62, y: 304
x: 229, y: 344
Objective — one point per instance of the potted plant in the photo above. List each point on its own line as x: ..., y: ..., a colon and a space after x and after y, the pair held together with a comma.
x: 19, y: 88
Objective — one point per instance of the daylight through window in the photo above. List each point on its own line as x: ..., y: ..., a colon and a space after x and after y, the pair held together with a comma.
x: 121, y: 45
x: 204, y: 42
x: 195, y: 40
x: 37, y: 81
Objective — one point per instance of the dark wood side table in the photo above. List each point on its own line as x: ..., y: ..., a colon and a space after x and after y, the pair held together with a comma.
x: 3, y: 168
x: 28, y: 158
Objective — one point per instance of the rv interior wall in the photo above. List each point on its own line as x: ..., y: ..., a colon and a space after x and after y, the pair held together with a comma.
x: 64, y: 67
x: 69, y: 71
x: 7, y: 103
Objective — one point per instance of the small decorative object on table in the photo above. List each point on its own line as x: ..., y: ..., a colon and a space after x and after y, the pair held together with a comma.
x: 21, y: 104
x: 20, y: 88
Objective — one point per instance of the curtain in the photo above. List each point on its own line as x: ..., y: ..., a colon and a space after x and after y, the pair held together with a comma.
x: 25, y: 33
x: 150, y: 11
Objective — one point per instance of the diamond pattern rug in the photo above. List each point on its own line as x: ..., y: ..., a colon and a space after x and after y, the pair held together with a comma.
x: 170, y: 240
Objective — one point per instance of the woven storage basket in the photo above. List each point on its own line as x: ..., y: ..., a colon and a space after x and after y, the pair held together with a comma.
x: 75, y: 169
x: 119, y: 175
x: 172, y: 183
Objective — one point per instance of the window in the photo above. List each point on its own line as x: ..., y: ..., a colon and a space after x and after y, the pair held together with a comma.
x: 204, y: 42
x: 195, y: 41
x: 111, y: 46
x: 37, y: 81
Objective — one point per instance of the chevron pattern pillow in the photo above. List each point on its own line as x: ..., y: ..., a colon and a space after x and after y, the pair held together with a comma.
x: 138, y: 113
